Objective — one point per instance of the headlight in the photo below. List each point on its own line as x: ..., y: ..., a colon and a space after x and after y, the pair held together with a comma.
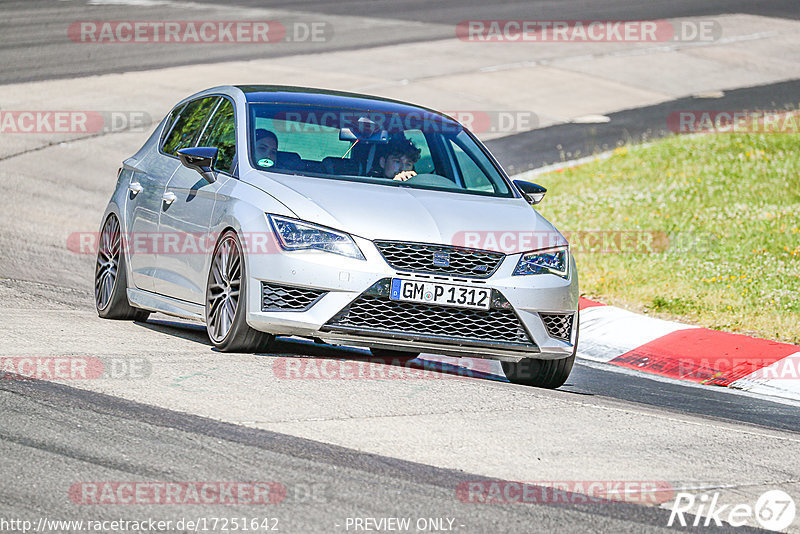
x: 298, y: 235
x: 553, y: 261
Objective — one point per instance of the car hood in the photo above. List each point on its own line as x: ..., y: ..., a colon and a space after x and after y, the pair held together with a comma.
x: 375, y: 211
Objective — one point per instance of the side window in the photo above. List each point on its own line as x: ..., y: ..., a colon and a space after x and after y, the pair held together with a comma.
x: 221, y: 133
x: 170, y: 124
x: 425, y: 163
x: 187, y: 126
x: 474, y: 178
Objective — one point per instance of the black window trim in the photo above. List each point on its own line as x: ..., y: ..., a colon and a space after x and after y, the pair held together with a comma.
x: 168, y: 126
x: 185, y: 104
x: 235, y: 169
x: 451, y: 152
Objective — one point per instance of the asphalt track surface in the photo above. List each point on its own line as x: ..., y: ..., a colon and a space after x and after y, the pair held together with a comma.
x: 544, y: 146
x: 53, y: 434
x: 91, y: 433
x: 34, y: 36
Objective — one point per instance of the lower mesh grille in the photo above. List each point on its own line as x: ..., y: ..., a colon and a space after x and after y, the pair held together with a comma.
x: 276, y: 297
x: 374, y: 313
x: 558, y: 325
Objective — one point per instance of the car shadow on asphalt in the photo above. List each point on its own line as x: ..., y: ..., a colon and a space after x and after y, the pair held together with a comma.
x: 359, y: 359
x: 366, y: 364
x: 190, y: 331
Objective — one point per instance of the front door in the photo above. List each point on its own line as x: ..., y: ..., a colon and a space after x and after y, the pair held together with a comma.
x: 186, y: 213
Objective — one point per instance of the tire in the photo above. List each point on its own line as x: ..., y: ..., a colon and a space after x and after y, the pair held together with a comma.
x: 111, y: 277
x: 548, y: 374
x: 389, y: 354
x: 226, y: 300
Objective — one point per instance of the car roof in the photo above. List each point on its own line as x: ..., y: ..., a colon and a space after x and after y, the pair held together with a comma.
x: 339, y: 99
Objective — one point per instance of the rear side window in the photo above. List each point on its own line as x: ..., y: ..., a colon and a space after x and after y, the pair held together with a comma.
x: 221, y: 133
x: 188, y: 124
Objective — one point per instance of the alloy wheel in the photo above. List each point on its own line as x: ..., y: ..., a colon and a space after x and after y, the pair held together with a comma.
x: 224, y: 288
x: 107, y: 267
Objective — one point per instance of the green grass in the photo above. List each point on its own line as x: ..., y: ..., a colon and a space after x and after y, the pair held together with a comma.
x: 725, y: 212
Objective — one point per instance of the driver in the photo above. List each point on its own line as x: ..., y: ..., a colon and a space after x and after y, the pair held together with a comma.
x: 397, y: 159
x: 266, y: 148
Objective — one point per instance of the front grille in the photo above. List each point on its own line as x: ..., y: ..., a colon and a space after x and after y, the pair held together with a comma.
x: 454, y: 261
x: 277, y: 297
x: 558, y: 325
x: 374, y: 313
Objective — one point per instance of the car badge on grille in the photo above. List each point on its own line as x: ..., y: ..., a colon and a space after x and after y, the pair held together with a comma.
x: 481, y: 268
x: 441, y: 259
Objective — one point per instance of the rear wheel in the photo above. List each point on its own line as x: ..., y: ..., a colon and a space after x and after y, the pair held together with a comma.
x: 226, y: 300
x: 548, y: 374
x: 110, y: 276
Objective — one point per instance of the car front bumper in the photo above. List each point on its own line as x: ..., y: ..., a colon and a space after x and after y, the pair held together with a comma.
x: 341, y: 281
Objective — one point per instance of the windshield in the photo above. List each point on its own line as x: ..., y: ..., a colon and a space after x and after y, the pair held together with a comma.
x: 409, y: 150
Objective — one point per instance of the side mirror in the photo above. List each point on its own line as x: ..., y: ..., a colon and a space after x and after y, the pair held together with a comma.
x: 200, y: 159
x: 533, y: 193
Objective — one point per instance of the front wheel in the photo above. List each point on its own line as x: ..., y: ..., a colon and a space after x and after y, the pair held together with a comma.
x: 226, y: 300
x: 548, y: 374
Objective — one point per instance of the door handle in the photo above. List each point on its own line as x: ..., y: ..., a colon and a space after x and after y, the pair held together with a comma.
x: 169, y: 197
x: 135, y: 188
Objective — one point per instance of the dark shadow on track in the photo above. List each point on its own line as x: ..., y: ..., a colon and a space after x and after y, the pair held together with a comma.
x: 303, y: 348
x: 586, y: 379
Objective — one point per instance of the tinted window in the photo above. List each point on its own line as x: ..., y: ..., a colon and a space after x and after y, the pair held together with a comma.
x: 425, y: 163
x: 417, y: 149
x: 311, y: 141
x: 188, y: 124
x: 221, y: 133
x: 171, y: 122
x: 471, y: 174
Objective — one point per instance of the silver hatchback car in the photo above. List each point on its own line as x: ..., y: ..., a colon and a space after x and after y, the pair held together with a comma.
x: 343, y: 218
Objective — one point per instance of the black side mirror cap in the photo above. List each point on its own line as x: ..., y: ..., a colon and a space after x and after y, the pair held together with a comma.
x: 533, y: 193
x: 200, y: 159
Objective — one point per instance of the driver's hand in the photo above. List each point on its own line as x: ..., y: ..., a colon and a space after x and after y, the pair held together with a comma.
x: 404, y: 175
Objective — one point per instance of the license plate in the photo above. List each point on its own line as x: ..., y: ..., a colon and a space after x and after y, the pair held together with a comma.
x: 443, y: 294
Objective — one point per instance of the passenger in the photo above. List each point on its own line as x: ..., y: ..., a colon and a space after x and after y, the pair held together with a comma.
x: 266, y: 148
x: 396, y: 159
